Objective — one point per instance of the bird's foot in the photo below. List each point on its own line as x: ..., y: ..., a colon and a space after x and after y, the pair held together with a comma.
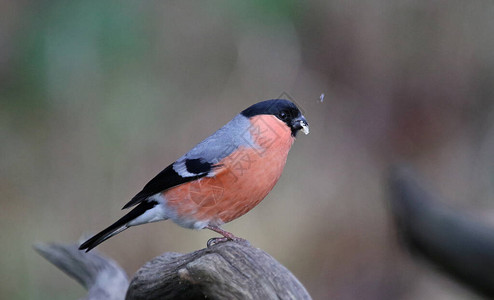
x: 227, y: 236
x: 213, y: 241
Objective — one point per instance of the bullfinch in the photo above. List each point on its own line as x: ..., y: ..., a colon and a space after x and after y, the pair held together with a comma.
x: 222, y: 177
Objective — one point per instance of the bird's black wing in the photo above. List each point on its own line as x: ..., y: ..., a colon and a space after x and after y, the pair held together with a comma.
x: 168, y: 178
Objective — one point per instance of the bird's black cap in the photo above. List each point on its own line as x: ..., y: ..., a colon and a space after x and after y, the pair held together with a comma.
x: 283, y: 109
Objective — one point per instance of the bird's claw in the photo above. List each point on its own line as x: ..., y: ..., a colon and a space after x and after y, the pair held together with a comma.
x: 213, y: 241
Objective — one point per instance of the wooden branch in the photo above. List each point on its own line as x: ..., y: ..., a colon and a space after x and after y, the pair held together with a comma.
x: 101, y: 276
x: 458, y: 242
x: 230, y: 270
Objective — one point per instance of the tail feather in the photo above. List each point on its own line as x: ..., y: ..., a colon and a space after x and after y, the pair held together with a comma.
x: 118, y: 226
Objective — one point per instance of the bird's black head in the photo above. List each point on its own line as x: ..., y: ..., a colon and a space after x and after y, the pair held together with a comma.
x: 284, y: 110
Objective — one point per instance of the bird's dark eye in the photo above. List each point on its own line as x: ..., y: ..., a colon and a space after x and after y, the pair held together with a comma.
x: 283, y: 116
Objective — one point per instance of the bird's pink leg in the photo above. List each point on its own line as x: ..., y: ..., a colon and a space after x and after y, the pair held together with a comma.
x: 227, y: 236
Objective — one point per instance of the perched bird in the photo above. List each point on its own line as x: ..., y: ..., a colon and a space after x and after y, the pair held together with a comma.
x: 222, y: 177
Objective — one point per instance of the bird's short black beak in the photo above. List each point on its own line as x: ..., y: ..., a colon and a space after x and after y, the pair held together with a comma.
x: 300, y: 123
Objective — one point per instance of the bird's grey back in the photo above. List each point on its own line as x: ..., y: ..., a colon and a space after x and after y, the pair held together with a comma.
x: 223, y: 142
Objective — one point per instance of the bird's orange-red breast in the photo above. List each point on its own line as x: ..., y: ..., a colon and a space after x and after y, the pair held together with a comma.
x: 221, y: 178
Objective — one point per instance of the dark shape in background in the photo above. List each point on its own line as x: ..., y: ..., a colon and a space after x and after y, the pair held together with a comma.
x: 458, y: 243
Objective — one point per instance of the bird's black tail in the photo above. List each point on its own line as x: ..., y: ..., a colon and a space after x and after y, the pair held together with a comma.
x: 118, y: 226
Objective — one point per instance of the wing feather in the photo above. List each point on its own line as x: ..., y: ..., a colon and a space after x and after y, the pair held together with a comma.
x: 166, y: 179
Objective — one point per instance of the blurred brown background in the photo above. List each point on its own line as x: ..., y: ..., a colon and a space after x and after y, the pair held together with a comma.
x: 96, y: 97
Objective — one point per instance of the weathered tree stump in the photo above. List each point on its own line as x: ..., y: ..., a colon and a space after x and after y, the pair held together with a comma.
x: 101, y: 276
x: 230, y: 270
